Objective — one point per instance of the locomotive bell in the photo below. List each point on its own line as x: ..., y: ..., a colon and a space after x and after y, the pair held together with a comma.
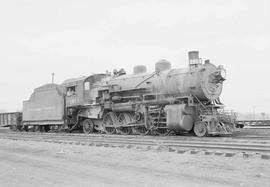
x: 222, y: 72
x: 162, y: 65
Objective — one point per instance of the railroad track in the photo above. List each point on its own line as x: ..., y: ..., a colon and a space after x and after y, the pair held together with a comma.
x: 223, y: 144
x: 252, y: 137
x: 136, y: 137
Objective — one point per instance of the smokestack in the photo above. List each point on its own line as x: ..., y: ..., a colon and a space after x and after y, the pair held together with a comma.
x: 193, y: 55
x: 194, y: 59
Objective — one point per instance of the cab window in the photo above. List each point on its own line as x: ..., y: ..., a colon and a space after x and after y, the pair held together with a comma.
x: 86, y: 86
x: 71, y: 91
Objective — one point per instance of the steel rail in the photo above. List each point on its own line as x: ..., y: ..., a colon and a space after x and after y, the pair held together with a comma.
x: 131, y: 137
x: 239, y: 147
x: 140, y: 139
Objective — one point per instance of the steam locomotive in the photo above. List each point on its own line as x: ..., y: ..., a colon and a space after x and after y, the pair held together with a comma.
x: 162, y: 102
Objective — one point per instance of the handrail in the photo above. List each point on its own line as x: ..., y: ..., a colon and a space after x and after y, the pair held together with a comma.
x: 153, y: 74
x: 200, y: 102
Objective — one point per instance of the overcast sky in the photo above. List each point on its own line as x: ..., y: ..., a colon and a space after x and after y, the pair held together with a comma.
x: 74, y: 38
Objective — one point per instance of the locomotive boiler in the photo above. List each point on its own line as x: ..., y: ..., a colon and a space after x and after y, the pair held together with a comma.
x: 179, y: 100
x: 162, y: 102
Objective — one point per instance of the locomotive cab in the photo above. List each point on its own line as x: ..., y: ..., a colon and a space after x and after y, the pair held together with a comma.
x: 74, y: 91
x: 82, y: 91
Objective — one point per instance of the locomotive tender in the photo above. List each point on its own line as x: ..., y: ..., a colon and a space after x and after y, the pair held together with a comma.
x: 167, y: 100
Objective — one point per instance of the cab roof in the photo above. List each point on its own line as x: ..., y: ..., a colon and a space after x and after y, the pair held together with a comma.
x: 73, y: 81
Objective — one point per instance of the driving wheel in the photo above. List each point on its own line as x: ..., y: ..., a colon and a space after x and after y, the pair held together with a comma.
x: 110, y: 122
x: 124, y: 119
x: 200, y: 129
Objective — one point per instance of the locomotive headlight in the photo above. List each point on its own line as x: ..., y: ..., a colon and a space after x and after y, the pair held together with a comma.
x: 218, y: 76
x: 223, y: 73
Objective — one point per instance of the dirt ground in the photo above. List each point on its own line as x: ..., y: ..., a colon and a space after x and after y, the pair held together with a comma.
x: 49, y: 164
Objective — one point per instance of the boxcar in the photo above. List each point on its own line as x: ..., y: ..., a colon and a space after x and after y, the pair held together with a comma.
x: 10, y: 119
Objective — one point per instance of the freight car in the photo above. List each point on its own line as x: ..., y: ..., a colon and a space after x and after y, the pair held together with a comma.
x: 11, y: 120
x: 167, y: 100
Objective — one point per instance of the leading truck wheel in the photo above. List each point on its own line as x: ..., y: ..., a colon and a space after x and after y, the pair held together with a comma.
x: 88, y: 126
x: 200, y: 129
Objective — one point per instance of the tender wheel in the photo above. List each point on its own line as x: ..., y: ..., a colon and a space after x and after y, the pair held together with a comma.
x: 88, y: 126
x: 58, y: 128
x: 200, y: 129
x: 110, y: 122
x: 36, y: 128
x: 55, y: 128
x: 45, y: 128
x: 25, y: 128
x: 19, y: 128
x: 13, y: 127
x: 123, y: 119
